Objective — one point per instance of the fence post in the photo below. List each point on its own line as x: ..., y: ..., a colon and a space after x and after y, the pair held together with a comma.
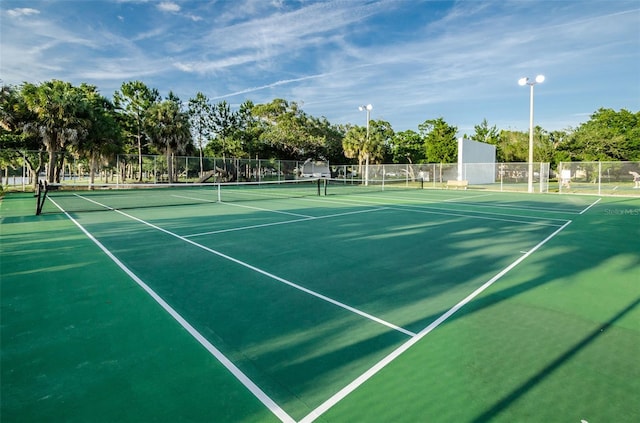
x: 599, y: 176
x: 24, y: 171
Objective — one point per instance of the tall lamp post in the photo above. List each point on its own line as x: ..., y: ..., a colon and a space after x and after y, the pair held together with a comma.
x: 522, y: 82
x: 368, y: 108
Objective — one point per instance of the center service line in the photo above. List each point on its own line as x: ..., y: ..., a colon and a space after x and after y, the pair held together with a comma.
x: 340, y: 395
x: 277, y: 278
x: 286, y: 222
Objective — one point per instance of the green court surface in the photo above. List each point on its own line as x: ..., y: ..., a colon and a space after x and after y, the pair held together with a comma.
x: 402, y: 305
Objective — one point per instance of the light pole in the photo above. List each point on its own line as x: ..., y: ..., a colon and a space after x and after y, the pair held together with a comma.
x: 522, y: 82
x: 368, y: 108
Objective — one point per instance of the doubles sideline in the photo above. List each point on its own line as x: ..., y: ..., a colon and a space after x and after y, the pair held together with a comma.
x: 248, y: 383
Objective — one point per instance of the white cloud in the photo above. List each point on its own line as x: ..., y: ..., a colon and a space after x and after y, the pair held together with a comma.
x: 23, y: 11
x: 462, y: 64
x: 166, y: 6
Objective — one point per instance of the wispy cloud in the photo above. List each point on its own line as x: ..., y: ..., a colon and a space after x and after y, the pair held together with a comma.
x: 413, y: 60
x: 271, y: 85
x: 171, y: 7
x: 167, y: 6
x: 23, y: 11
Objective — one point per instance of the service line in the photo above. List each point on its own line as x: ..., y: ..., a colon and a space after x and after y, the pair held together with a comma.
x: 285, y: 222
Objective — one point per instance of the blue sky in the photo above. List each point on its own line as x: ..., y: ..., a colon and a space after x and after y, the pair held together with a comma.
x: 412, y: 60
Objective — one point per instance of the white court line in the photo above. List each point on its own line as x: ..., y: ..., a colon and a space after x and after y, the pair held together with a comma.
x: 429, y: 210
x: 439, y: 211
x: 242, y: 228
x: 455, y: 200
x: 591, y: 205
x: 286, y: 222
x: 248, y: 383
x: 274, y: 277
x: 271, y: 275
x: 466, y: 197
x: 84, y: 198
x: 261, y: 209
x: 340, y: 395
x: 240, y: 205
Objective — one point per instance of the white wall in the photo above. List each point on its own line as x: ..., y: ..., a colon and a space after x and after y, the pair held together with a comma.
x: 476, y: 162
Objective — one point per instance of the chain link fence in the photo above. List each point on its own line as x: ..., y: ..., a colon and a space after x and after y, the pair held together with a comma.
x: 600, y: 178
x: 20, y: 170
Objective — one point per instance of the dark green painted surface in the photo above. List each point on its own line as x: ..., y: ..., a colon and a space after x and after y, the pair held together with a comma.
x: 556, y: 339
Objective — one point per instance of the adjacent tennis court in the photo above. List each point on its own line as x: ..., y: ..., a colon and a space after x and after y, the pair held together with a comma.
x: 310, y: 301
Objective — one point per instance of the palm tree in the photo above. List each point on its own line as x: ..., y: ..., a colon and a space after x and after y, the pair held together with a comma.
x: 354, y: 145
x: 15, y: 118
x: 169, y: 130
x: 104, y: 136
x: 61, y: 118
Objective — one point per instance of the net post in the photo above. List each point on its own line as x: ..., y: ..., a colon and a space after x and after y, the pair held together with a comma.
x: 40, y: 197
x: 219, y: 194
x: 319, y: 179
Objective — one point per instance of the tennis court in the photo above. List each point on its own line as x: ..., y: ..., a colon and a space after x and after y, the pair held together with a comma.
x: 306, y: 302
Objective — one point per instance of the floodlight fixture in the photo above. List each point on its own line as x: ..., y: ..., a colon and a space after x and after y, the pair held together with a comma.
x: 522, y: 82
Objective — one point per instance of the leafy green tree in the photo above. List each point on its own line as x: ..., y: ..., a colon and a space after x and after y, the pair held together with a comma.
x: 225, y: 124
x: 607, y: 136
x: 440, y: 140
x: 543, y: 146
x: 557, y: 139
x: 513, y: 146
x: 380, y: 135
x: 486, y: 134
x: 286, y: 130
x: 168, y: 127
x: 333, y: 136
x: 407, y: 147
x: 200, y: 118
x: 132, y: 101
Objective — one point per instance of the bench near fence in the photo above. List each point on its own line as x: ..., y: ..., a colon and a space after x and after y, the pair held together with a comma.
x: 457, y: 184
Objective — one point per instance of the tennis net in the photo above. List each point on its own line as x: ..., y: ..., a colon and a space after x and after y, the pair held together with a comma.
x: 347, y: 186
x: 99, y: 197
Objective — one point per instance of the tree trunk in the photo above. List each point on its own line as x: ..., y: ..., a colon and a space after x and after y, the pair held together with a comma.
x: 51, y: 167
x: 92, y: 169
